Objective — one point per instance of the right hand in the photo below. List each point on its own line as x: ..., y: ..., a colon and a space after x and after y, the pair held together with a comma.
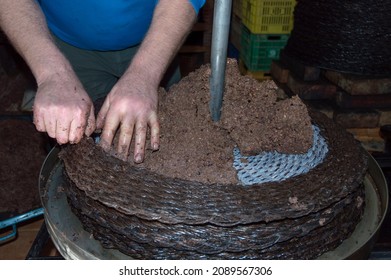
x: 63, y: 109
x: 130, y: 108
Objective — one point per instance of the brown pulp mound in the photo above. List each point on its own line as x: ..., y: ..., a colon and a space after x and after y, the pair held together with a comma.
x: 149, y: 211
x: 193, y: 147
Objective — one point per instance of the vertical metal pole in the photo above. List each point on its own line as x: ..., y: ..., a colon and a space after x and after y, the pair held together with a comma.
x: 220, y: 32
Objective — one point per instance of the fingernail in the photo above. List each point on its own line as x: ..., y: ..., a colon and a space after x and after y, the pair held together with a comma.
x: 138, y: 158
x: 123, y: 157
x: 104, y: 145
x: 155, y: 146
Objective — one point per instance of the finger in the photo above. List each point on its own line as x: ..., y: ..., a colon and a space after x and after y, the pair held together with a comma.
x: 100, y: 120
x: 155, y: 132
x: 90, y: 122
x: 38, y: 121
x: 76, y: 131
x: 62, y: 131
x: 50, y: 126
x: 140, y: 137
x: 110, y: 127
x: 125, y: 138
x: 78, y: 125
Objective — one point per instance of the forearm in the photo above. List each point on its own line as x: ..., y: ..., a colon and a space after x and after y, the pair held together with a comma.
x: 25, y: 25
x: 172, y: 22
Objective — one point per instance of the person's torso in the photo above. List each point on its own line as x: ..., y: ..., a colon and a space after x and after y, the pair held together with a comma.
x: 99, y: 24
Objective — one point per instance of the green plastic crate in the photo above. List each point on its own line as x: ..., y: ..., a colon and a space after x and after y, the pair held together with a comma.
x: 259, y: 50
x: 268, y: 16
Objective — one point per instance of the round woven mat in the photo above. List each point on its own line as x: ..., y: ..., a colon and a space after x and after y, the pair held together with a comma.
x: 345, y: 36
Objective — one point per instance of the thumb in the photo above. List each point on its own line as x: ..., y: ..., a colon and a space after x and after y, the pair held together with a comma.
x: 90, y: 128
x: 100, y: 120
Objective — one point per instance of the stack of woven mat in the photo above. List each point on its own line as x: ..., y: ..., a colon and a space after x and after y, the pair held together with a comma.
x: 150, y: 216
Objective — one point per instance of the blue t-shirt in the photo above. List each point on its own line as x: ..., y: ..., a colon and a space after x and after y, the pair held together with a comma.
x: 104, y: 25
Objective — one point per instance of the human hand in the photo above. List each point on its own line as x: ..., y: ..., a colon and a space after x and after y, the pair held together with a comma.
x: 63, y: 109
x: 129, y: 108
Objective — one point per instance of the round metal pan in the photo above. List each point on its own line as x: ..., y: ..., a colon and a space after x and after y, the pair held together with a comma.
x: 73, y: 242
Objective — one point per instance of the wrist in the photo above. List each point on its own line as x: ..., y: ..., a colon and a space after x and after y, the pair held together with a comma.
x: 148, y: 75
x: 45, y: 60
x: 53, y: 68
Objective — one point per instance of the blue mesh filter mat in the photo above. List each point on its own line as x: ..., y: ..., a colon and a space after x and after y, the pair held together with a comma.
x: 274, y: 166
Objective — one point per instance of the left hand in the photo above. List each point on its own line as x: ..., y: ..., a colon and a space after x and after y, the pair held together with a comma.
x: 129, y: 108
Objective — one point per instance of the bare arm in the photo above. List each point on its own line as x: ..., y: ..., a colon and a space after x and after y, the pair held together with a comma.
x: 25, y: 26
x: 59, y: 91
x: 132, y: 104
x: 172, y: 22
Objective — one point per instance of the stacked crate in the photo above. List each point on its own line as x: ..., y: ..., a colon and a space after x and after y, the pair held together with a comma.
x: 265, y: 26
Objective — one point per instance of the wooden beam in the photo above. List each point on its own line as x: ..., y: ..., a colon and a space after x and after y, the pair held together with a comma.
x: 304, y: 72
x: 320, y: 89
x: 377, y: 101
x: 359, y: 85
x: 279, y: 71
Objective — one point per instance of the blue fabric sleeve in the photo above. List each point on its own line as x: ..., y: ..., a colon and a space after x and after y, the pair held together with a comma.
x: 197, y: 4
